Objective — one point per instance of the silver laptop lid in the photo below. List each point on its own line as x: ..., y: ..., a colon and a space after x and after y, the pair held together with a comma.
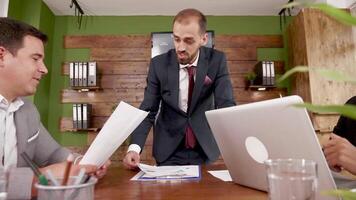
x: 249, y: 134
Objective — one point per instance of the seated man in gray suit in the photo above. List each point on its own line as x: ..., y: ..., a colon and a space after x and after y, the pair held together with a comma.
x: 182, y: 84
x: 21, y: 69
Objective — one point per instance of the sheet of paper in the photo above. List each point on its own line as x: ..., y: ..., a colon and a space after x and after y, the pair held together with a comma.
x: 149, y: 172
x: 223, y: 175
x: 122, y: 122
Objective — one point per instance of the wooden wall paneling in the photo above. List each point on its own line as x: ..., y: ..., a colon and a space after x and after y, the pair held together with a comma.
x: 105, y: 109
x: 120, y: 54
x: 106, y: 96
x: 331, y: 46
x: 102, y: 96
x: 66, y: 123
x: 257, y: 41
x: 107, y: 41
x: 297, y: 55
x: 319, y: 41
x: 241, y: 53
x: 242, y: 95
x: 123, y: 81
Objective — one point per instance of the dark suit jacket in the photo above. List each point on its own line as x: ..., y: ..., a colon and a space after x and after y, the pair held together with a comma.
x: 346, y: 127
x: 161, y: 94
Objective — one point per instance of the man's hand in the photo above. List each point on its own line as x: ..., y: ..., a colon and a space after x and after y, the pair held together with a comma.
x: 101, y: 172
x: 131, y: 160
x: 340, y: 153
x: 58, y: 169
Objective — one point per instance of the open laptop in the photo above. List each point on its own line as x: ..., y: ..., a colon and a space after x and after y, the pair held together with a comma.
x: 251, y: 133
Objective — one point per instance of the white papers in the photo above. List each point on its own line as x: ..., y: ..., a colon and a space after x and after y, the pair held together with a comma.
x: 122, y: 122
x: 182, y: 172
x: 223, y: 175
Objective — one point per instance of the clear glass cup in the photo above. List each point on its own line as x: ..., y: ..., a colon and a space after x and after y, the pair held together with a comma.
x: 291, y: 179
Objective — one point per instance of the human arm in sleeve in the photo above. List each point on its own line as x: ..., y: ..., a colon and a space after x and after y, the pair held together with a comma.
x: 151, y: 101
x: 223, y: 92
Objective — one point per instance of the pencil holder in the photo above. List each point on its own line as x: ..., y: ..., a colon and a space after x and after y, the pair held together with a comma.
x: 69, y: 192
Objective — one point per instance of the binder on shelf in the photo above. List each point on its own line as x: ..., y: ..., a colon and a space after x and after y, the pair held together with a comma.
x: 86, y: 115
x: 75, y: 118
x: 268, y: 74
x: 261, y: 73
x: 71, y: 73
x: 92, y: 74
x: 273, y: 79
x: 264, y: 73
x: 76, y: 74
x: 79, y: 117
x: 85, y: 74
x: 80, y: 72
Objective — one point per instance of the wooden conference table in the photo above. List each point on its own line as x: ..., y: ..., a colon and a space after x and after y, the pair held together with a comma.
x: 117, y: 185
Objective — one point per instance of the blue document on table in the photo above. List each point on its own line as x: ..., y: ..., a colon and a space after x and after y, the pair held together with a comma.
x: 182, y: 172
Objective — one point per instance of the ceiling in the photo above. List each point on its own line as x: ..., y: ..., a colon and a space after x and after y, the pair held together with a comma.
x: 168, y: 7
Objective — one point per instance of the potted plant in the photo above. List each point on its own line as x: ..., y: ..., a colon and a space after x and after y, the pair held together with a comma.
x: 250, y: 77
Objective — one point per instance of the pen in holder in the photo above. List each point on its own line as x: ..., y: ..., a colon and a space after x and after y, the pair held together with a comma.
x: 41, y: 178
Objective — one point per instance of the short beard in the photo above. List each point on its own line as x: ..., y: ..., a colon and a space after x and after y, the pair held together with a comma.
x: 189, y: 60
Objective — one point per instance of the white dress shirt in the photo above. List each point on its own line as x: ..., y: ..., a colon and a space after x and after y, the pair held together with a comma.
x: 183, y: 94
x: 8, y: 141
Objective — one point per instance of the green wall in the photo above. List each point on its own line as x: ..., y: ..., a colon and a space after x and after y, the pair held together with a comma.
x: 41, y: 98
x: 48, y: 97
x: 36, y: 13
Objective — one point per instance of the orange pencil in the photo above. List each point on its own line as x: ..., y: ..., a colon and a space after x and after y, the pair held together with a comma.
x: 70, y: 160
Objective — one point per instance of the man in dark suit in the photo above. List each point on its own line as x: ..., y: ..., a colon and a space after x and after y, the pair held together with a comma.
x: 181, y: 85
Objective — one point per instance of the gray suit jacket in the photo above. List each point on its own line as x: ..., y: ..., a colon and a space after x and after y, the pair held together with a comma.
x: 33, y: 139
x: 212, y: 89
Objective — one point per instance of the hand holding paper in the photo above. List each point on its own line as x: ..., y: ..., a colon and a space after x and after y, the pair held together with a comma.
x: 122, y: 122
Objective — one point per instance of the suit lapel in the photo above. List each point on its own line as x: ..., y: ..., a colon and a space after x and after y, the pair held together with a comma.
x: 173, y: 80
x: 21, y: 135
x: 201, y: 71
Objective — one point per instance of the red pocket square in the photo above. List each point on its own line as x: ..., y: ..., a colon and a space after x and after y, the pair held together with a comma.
x: 207, y: 80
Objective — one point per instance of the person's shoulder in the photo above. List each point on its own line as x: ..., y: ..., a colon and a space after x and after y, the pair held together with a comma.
x: 352, y: 100
x: 28, y: 106
x: 165, y: 57
x: 212, y: 53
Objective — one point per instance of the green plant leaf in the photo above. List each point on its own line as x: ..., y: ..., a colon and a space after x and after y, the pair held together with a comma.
x: 335, y: 75
x: 291, y: 72
x: 326, y: 73
x: 340, y: 15
x: 345, y: 110
x: 345, y: 194
x: 337, y: 13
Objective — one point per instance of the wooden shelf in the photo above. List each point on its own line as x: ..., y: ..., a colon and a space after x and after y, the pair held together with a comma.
x: 256, y: 87
x: 85, y: 89
x: 86, y: 130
